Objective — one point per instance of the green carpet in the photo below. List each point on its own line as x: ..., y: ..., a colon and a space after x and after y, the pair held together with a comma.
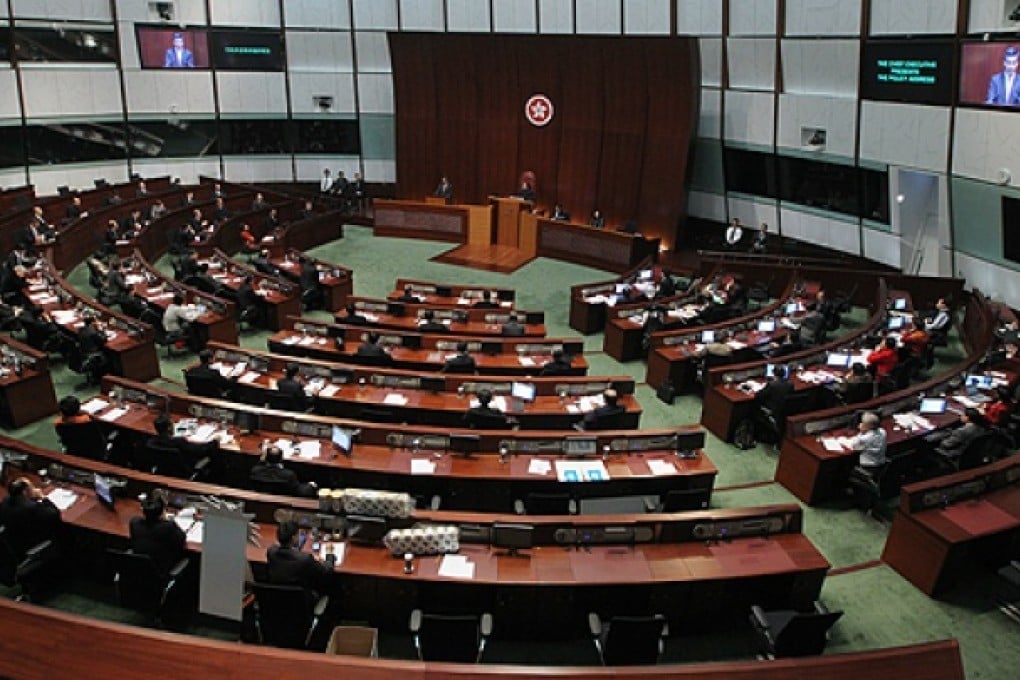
x: 882, y: 609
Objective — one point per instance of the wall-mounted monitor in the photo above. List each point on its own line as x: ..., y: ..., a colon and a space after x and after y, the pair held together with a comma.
x: 1011, y: 228
x: 512, y: 537
x: 247, y: 50
x: 172, y: 48
x: 916, y: 71
x: 989, y: 75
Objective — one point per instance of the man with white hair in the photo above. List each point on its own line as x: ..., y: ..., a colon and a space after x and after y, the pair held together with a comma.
x: 870, y: 442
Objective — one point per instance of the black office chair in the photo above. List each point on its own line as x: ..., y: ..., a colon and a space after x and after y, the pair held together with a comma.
x: 855, y: 393
x: 680, y: 500
x: 312, y: 299
x: 141, y: 586
x: 629, y: 640
x: 612, y: 421
x: 169, y: 462
x: 546, y: 504
x: 249, y: 318
x: 985, y: 448
x: 458, y: 638
x: 208, y: 387
x: 488, y: 421
x: 380, y: 415
x: 285, y: 616
x: 288, y: 402
x: 92, y: 366
x: 85, y: 440
x: 787, y: 633
x: 31, y: 572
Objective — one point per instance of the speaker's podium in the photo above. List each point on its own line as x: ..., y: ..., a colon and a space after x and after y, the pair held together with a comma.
x: 515, y: 226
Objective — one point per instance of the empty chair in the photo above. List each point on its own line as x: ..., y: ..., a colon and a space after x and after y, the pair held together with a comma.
x: 787, y: 632
x: 987, y: 447
x: 487, y: 421
x: 450, y: 637
x: 141, y: 585
x: 546, y: 504
x: 85, y: 440
x: 285, y: 616
x: 170, y: 462
x: 629, y: 640
x: 288, y: 402
x: 678, y: 500
x: 611, y: 421
x: 31, y: 571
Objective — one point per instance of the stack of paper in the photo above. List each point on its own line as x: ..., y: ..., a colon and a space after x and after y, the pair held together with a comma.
x: 395, y: 399
x: 62, y: 498
x: 539, y: 466
x: 525, y: 360
x: 660, y: 467
x: 94, y: 406
x: 422, y: 466
x: 113, y: 414
x: 456, y: 566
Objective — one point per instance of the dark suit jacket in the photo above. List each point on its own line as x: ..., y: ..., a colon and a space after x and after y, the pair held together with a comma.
x: 29, y: 522
x: 555, y: 367
x: 513, y: 329
x: 353, y: 319
x: 91, y: 340
x: 290, y: 566
x: 485, y: 304
x: 461, y: 363
x: 246, y: 297
x: 275, y: 475
x: 997, y: 90
x: 161, y: 540
x: 480, y: 416
x: 367, y: 349
x: 309, y: 276
x: 591, y: 420
x: 774, y: 395
x: 209, y: 376
x: 291, y: 387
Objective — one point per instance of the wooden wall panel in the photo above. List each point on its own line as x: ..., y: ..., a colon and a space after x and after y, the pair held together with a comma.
x: 626, y: 111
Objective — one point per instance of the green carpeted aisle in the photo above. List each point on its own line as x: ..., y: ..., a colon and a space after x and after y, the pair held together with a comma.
x: 882, y: 609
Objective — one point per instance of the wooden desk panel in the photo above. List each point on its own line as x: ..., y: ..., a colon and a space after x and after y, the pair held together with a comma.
x: 411, y: 219
x: 29, y: 396
x: 581, y: 244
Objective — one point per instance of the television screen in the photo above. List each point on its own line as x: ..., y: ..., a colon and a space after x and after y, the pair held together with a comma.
x: 104, y: 492
x: 919, y: 71
x: 366, y: 528
x: 343, y: 439
x: 707, y: 337
x: 690, y: 441
x: 985, y: 70
x: 247, y: 50
x: 1011, y: 228
x: 172, y: 48
x: 523, y: 391
x: 512, y: 537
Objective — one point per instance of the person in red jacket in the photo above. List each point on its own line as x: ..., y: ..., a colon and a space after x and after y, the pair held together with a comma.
x: 884, y: 358
x: 997, y: 412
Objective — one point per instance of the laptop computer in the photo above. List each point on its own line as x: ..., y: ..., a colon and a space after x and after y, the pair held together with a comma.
x: 932, y: 406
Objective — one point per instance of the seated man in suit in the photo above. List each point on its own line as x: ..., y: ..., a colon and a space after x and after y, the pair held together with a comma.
x: 560, y: 364
x: 263, y: 265
x: 952, y: 443
x: 351, y: 316
x: 595, y: 420
x: 154, y: 535
x: 596, y: 220
x: 15, y: 287
x: 771, y: 399
x: 114, y: 198
x: 667, y: 286
x: 444, y: 189
x: 157, y: 210
x: 490, y: 301
x: 76, y: 210
x: 428, y: 324
x: 259, y: 203
x: 190, y: 266
x: 513, y: 328
x: 270, y: 475
x: 286, y: 564
x: 165, y: 437
x: 941, y: 320
x: 307, y: 211
x: 373, y: 350
x: 29, y: 517
x: 247, y: 298
x: 560, y: 214
x: 790, y: 344
x: 273, y: 220
x: 309, y: 276
x: 483, y: 415
x: 526, y: 192
x: 289, y: 384
x: 91, y: 343
x: 408, y: 295
x: 209, y: 381
x: 462, y: 362
x: 117, y: 289
x: 220, y: 212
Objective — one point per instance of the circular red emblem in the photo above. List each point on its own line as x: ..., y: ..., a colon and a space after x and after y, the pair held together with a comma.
x: 538, y: 110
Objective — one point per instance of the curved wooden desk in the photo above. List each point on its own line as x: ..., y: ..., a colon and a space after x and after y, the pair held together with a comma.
x: 30, y: 650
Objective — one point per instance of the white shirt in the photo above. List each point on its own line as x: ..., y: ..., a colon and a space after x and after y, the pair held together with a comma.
x: 871, y: 445
x: 940, y: 321
x: 733, y: 235
x: 326, y: 184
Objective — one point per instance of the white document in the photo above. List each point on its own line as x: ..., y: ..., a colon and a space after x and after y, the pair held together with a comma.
x: 539, y: 466
x: 248, y: 378
x: 309, y: 449
x: 422, y: 466
x: 525, y: 360
x: 832, y: 444
x: 395, y: 399
x: 338, y: 549
x: 94, y: 406
x: 113, y: 414
x: 456, y: 566
x: 660, y: 467
x: 62, y: 498
x: 194, y: 534
x: 292, y: 340
x: 329, y: 390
